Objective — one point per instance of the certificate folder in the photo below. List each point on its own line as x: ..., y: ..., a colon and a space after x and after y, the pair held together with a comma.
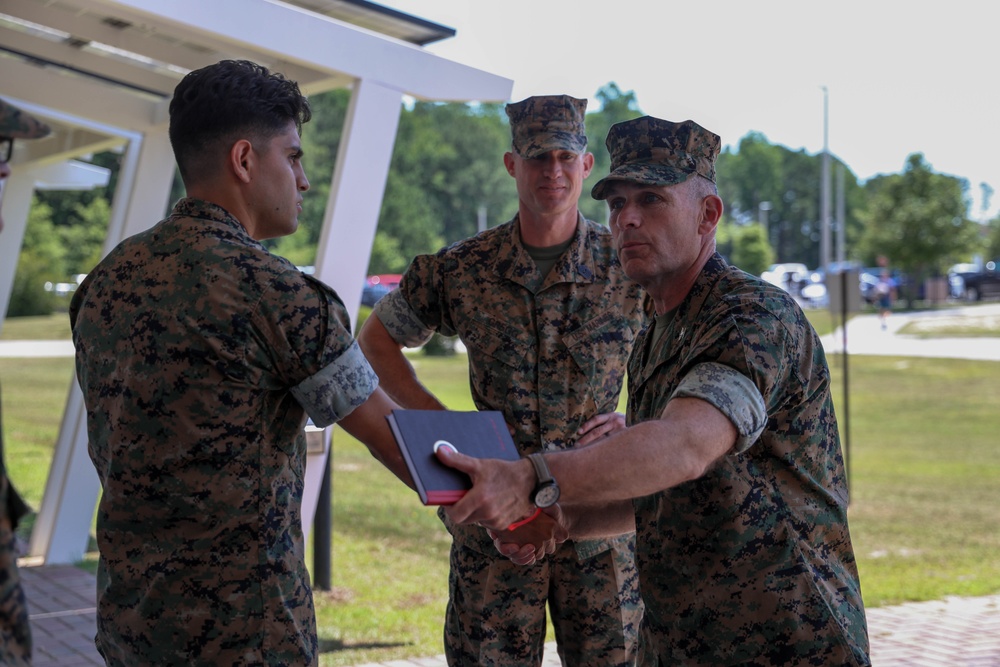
x: 482, y: 434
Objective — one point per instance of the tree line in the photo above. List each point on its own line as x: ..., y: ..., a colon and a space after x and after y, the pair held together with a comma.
x: 447, y: 180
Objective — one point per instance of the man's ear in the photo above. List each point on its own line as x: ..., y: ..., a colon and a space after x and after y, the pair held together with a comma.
x: 711, y: 210
x: 588, y: 163
x: 508, y: 162
x: 241, y: 160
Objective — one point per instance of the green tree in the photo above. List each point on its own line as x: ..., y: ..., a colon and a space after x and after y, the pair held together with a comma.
x: 991, y: 240
x: 761, y: 179
x: 616, y: 106
x: 83, y: 241
x: 917, y: 220
x: 42, y: 260
x: 320, y: 143
x: 750, y: 249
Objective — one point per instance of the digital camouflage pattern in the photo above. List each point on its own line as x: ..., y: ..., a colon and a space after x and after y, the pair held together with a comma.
x: 15, y: 628
x: 751, y: 564
x: 17, y: 124
x: 651, y: 151
x: 549, y: 353
x: 594, y: 602
x: 200, y: 354
x: 547, y: 123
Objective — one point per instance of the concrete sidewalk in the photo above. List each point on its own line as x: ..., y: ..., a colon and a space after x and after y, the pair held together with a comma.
x: 866, y: 336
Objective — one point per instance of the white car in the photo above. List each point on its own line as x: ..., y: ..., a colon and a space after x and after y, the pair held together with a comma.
x: 788, y: 276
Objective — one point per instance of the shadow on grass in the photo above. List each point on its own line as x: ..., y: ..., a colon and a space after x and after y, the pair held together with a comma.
x: 335, y: 645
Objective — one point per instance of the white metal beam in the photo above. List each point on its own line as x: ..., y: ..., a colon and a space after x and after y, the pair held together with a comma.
x: 63, y: 524
x: 17, y: 191
x: 323, y: 43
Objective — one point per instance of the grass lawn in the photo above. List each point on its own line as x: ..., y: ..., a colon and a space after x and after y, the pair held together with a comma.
x: 925, y: 480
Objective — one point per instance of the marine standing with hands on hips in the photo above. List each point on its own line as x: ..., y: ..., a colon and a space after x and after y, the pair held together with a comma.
x: 548, y: 318
x: 731, y: 460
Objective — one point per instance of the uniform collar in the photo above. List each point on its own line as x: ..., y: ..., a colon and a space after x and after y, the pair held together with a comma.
x: 190, y: 207
x: 577, y: 264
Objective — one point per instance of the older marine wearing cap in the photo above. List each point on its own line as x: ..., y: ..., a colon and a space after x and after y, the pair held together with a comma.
x: 548, y: 318
x: 732, y: 454
x: 15, y: 630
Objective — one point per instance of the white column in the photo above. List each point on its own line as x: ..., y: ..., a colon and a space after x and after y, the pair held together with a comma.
x: 63, y: 524
x: 17, y: 191
x: 351, y: 217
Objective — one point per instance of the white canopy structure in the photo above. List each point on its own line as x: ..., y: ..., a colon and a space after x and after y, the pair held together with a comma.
x: 101, y: 73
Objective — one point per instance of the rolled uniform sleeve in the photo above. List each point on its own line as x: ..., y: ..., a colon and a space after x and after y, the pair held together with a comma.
x: 401, y: 321
x: 733, y: 394
x: 304, y: 331
x: 331, y: 394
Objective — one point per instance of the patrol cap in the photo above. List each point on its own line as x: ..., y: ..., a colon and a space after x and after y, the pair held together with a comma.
x: 651, y: 151
x: 17, y: 124
x: 547, y: 123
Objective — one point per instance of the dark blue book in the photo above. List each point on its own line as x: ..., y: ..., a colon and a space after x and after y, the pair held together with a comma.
x: 482, y: 434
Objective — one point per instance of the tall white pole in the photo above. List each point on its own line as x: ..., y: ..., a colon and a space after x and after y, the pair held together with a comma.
x: 824, y: 247
x: 841, y: 216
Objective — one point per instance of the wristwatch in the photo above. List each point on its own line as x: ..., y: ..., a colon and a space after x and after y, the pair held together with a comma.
x: 546, y: 492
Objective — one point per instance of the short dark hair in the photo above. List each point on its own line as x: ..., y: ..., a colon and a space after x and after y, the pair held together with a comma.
x: 219, y: 104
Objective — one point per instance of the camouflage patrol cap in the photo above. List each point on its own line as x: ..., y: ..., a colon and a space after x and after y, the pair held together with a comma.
x: 17, y: 124
x: 546, y: 123
x: 651, y: 151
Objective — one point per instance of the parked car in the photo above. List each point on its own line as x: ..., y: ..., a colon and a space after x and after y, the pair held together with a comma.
x: 984, y: 284
x: 789, y: 276
x: 370, y: 294
x: 378, y: 286
x: 956, y: 279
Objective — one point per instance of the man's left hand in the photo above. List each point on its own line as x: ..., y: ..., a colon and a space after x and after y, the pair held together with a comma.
x: 535, y: 540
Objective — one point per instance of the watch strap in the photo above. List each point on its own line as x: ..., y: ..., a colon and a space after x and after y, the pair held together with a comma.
x: 541, y: 468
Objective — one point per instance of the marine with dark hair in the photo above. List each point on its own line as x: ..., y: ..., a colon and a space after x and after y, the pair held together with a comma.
x: 200, y: 355
x: 15, y: 628
x: 731, y: 463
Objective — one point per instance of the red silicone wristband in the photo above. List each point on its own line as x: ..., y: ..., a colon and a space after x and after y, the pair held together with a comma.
x: 524, y: 522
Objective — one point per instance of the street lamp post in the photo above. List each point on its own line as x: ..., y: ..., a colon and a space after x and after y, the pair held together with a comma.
x: 824, y: 246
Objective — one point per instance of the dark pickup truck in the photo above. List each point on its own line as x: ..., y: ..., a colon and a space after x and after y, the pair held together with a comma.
x: 983, y: 284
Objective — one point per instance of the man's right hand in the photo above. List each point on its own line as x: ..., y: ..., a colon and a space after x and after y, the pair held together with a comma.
x: 534, y: 540
x: 500, y: 490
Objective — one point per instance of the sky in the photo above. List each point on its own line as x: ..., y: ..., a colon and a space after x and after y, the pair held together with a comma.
x: 881, y: 79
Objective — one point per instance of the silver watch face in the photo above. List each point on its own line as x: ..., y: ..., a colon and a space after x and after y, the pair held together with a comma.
x: 547, y: 495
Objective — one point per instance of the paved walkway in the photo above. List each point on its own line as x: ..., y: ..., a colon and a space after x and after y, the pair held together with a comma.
x: 944, y: 633
x: 865, y: 336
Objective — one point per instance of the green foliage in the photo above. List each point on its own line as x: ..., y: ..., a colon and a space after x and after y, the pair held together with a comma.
x: 992, y: 238
x: 917, y: 220
x: 439, y: 346
x: 750, y: 249
x: 616, y: 106
x: 83, y: 241
x: 447, y: 174
x: 28, y: 296
x: 320, y: 143
x: 41, y: 261
x: 761, y: 181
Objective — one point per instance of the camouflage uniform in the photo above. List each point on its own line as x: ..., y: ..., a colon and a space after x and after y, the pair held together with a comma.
x: 752, y: 563
x: 549, y: 353
x: 15, y: 628
x: 200, y: 354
